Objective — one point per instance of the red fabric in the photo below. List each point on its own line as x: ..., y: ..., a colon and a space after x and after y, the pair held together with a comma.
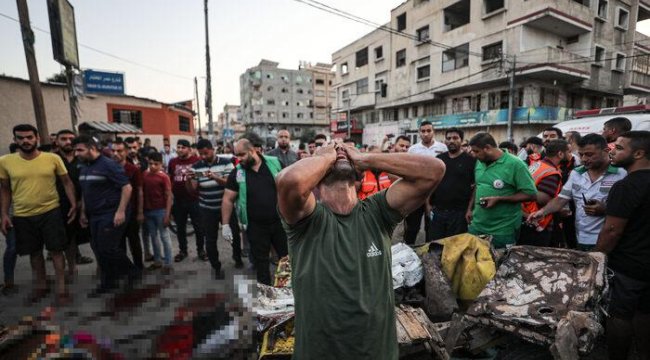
x: 135, y: 178
x: 178, y: 170
x: 154, y: 185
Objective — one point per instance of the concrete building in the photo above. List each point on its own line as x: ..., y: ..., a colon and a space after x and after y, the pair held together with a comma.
x: 298, y: 100
x: 155, y: 120
x: 229, y: 125
x: 449, y: 62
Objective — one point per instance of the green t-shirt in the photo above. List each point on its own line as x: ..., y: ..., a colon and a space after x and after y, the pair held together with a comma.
x: 506, y: 176
x: 342, y: 282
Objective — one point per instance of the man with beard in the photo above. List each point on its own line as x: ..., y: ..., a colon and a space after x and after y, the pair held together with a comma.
x: 209, y: 176
x: 588, y: 187
x: 283, y: 152
x: 135, y: 156
x: 73, y: 231
x: 502, y: 184
x: 624, y: 238
x: 340, y: 248
x: 186, y: 202
x: 452, y: 198
x: 550, y: 134
x: 402, y: 144
x: 132, y: 233
x: 252, y: 186
x: 106, y: 193
x: 28, y: 179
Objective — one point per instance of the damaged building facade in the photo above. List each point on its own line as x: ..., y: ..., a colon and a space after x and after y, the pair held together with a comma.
x: 449, y: 62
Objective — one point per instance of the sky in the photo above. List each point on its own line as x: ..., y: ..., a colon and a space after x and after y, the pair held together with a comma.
x: 160, y: 44
x: 167, y: 36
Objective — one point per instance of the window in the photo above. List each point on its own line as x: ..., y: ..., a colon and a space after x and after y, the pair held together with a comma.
x: 599, y: 55
x: 285, y: 103
x: 455, y: 58
x: 572, y: 39
x: 285, y: 115
x: 362, y: 57
x: 420, y: 2
x: 362, y: 86
x: 492, y: 51
x: 344, y: 68
x: 300, y: 115
x: 298, y: 79
x: 131, y: 117
x: 381, y: 88
x: 270, y: 115
x: 622, y: 18
x: 548, y: 97
x: 183, y: 124
x: 285, y: 78
x: 269, y: 76
x: 400, y: 58
x: 456, y: 15
x: 300, y: 103
x: 424, y: 72
x: 602, y: 9
x: 619, y: 64
x: 414, y: 111
x: 505, y: 96
x: 492, y: 5
x: 477, y: 103
x: 299, y: 91
x: 345, y: 94
x: 284, y: 90
x: 401, y: 22
x: 379, y: 53
x: 270, y: 88
x: 270, y: 102
x: 423, y: 34
x: 255, y: 74
x: 582, y: 2
x: 493, y: 100
x: 320, y: 82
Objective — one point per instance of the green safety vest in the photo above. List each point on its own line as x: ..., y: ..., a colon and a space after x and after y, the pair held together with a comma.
x: 274, y: 166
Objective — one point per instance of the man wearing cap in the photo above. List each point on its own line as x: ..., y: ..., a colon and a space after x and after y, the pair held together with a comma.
x: 186, y: 202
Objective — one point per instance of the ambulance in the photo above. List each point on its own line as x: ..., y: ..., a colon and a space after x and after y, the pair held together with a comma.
x: 592, y: 121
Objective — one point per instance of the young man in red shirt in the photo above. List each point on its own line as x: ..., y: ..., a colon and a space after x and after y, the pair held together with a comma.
x: 157, y: 209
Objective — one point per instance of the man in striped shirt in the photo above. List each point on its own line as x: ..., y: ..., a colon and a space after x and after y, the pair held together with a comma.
x: 209, y: 177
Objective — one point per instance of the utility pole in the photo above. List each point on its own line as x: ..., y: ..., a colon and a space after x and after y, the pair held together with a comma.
x: 34, y: 82
x: 208, y: 88
x: 69, y: 74
x: 198, y: 107
x: 511, y: 97
x: 347, y: 117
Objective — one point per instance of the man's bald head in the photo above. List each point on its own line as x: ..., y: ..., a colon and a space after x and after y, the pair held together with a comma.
x: 246, y: 153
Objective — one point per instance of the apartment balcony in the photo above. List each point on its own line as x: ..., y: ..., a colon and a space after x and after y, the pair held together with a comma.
x: 639, y: 83
x: 550, y: 63
x: 357, y: 101
x: 564, y: 18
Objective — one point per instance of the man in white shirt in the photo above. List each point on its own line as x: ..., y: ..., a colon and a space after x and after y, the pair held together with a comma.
x: 427, y: 146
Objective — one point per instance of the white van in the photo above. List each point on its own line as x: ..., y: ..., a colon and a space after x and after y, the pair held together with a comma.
x: 594, y: 124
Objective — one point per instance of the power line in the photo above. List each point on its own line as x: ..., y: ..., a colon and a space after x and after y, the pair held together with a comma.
x: 105, y: 53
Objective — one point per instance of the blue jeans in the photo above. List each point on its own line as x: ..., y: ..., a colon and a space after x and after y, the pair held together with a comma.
x: 9, y: 259
x: 156, y: 228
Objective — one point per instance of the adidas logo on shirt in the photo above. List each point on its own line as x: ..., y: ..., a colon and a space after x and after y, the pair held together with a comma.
x: 373, y: 251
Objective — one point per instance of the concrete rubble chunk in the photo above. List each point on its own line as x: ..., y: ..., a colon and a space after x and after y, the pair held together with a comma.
x: 546, y: 296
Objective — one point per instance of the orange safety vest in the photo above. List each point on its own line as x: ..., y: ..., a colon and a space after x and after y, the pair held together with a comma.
x: 370, y: 185
x: 540, y: 170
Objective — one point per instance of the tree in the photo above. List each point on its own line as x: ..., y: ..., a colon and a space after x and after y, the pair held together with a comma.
x: 58, y: 78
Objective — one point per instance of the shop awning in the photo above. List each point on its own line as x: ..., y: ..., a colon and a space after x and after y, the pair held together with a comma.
x: 108, y: 127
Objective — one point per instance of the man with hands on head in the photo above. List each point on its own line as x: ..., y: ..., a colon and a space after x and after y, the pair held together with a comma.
x: 340, y: 248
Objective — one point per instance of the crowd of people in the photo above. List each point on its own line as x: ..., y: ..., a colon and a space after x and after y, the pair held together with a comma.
x: 590, y: 193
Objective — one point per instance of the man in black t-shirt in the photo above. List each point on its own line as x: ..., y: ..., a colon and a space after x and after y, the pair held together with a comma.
x: 624, y: 237
x: 449, y: 203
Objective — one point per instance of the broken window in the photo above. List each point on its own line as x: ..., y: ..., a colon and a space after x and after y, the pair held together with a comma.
x: 423, y: 34
x: 492, y: 51
x: 400, y: 58
x: 362, y: 57
x: 493, y: 5
x: 401, y: 22
x: 456, y: 15
x: 455, y: 58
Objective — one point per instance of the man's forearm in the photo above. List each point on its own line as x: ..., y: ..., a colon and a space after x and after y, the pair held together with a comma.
x: 170, y: 201
x: 517, y: 198
x: 6, y: 200
x: 607, y: 239
x: 70, y: 192
x: 304, y: 175
x: 124, y: 199
x: 409, y: 167
x: 554, y: 205
x: 226, y: 211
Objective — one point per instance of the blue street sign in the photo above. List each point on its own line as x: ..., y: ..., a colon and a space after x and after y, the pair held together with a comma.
x: 101, y: 82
